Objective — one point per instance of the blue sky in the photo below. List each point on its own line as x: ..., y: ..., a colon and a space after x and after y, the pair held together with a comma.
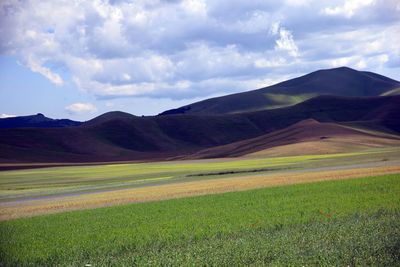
x: 79, y: 59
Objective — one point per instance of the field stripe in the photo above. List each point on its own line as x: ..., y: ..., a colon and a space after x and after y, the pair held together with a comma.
x: 19, y: 209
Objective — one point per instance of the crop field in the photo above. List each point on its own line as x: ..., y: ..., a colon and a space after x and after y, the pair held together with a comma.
x: 352, y: 222
x: 55, y: 204
x: 22, y: 184
x: 26, y: 193
x: 299, y: 210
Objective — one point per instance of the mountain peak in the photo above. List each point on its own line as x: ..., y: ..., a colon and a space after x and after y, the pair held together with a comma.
x: 112, y: 115
x: 342, y: 81
x: 343, y: 68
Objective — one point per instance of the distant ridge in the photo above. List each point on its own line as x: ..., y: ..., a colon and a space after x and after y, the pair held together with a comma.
x: 36, y: 121
x: 341, y: 81
x: 119, y: 136
x: 110, y: 116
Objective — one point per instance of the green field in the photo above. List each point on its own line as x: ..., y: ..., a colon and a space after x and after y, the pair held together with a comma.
x: 20, y: 184
x: 335, y: 223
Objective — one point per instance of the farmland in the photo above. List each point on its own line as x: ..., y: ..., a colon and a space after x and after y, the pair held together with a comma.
x: 20, y: 184
x: 344, y: 222
x: 48, y: 190
x: 336, y: 209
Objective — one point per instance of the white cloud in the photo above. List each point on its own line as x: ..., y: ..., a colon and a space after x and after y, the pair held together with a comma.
x: 3, y: 116
x: 35, y: 66
x: 195, y: 7
x: 285, y: 41
x: 257, y: 22
x: 297, y: 3
x: 177, y: 48
x: 348, y: 9
x: 81, y: 108
x: 359, y: 62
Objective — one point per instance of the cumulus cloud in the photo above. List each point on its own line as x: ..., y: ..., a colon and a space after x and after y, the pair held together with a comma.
x: 36, y: 66
x: 348, y: 8
x: 81, y: 108
x: 285, y: 41
x: 194, y: 48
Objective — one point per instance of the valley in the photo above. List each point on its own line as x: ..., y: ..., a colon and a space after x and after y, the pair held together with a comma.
x: 304, y: 172
x: 185, y: 133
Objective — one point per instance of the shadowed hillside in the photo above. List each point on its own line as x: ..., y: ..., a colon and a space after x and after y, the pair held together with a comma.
x: 37, y: 121
x: 302, y: 138
x: 339, y: 81
x: 120, y: 136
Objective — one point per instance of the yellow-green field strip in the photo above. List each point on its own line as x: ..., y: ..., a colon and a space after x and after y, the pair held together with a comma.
x: 28, y: 208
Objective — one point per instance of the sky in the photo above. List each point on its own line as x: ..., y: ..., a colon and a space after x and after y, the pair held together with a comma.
x: 78, y: 59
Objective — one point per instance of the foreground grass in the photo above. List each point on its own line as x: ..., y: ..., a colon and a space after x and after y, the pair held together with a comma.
x: 327, y: 223
x: 367, y: 240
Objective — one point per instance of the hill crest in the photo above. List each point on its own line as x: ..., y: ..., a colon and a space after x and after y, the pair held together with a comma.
x: 36, y: 121
x: 305, y: 137
x: 342, y: 81
x: 121, y: 136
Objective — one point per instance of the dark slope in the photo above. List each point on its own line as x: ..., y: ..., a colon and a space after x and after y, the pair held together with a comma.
x: 305, y: 137
x: 37, y: 121
x: 339, y: 81
x: 173, y: 133
x: 120, y: 136
x: 383, y: 111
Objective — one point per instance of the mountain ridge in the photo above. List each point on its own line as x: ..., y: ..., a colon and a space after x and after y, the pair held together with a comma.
x: 342, y: 81
x: 121, y: 136
x: 36, y: 121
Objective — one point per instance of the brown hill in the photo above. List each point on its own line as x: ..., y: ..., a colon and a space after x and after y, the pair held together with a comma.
x: 118, y: 136
x: 302, y: 138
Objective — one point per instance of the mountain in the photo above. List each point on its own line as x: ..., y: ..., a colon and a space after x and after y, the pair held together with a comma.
x: 118, y: 136
x: 37, y: 121
x: 303, y: 138
x: 341, y: 81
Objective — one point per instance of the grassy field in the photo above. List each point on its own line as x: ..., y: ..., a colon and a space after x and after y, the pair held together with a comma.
x: 55, y: 204
x: 333, y: 223
x: 22, y: 184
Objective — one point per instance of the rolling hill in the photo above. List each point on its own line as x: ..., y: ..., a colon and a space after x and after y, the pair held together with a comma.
x: 341, y: 81
x: 117, y: 136
x: 306, y: 137
x: 36, y: 121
